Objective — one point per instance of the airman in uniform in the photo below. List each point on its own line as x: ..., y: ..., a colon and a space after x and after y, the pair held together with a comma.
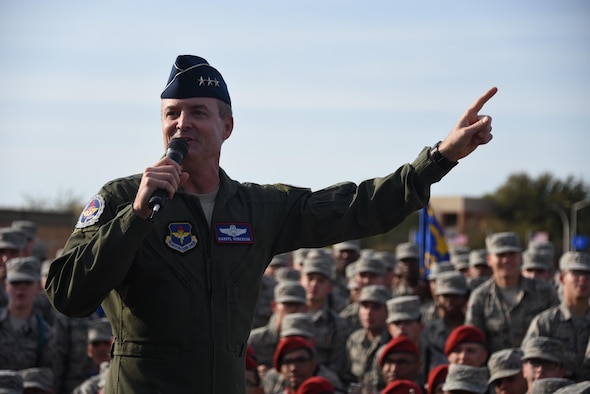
x: 504, y: 306
x: 569, y: 321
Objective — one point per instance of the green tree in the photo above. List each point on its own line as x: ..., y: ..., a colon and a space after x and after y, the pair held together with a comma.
x: 524, y: 204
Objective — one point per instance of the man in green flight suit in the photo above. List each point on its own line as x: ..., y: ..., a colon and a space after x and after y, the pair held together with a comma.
x: 180, y: 287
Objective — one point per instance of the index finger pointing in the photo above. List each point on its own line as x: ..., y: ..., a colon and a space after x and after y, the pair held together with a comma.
x: 480, y: 102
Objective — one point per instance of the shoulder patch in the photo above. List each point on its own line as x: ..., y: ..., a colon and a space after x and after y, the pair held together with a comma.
x: 92, y: 212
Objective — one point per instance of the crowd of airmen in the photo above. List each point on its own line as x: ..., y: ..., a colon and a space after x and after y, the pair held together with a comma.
x: 345, y: 320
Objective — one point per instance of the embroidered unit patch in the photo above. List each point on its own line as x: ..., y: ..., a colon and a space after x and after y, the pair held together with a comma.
x: 181, y: 237
x: 233, y: 233
x: 92, y: 212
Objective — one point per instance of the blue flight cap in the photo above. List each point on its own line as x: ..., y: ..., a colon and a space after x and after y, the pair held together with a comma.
x: 192, y: 76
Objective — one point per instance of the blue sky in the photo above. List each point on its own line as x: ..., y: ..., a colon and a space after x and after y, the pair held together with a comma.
x: 323, y: 91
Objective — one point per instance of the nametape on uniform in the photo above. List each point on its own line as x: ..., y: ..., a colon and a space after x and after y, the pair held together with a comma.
x: 92, y: 212
x: 180, y: 237
x: 233, y: 233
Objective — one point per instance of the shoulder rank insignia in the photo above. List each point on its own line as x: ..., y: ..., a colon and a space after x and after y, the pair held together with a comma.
x: 233, y: 233
x: 181, y: 237
x: 92, y: 212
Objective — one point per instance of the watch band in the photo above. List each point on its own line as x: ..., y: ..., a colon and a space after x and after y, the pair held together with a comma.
x: 439, y: 159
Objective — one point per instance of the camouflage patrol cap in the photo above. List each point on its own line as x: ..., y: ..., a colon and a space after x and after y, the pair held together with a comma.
x: 11, y: 382
x: 298, y: 324
x: 318, y: 264
x: 459, y: 250
x: 289, y: 291
x: 407, y: 250
x: 574, y: 261
x: 438, y: 268
x: 279, y: 260
x: 299, y: 256
x: 283, y: 274
x: 460, y: 261
x: 23, y: 269
x: 27, y: 227
x: 505, y: 363
x: 11, y: 238
x: 353, y: 244
x: 403, y: 308
x: 369, y: 264
x: 542, y: 246
x: 543, y: 348
x: 478, y: 257
x: 505, y: 242
x: 387, y: 258
x: 350, y: 270
x: 575, y: 388
x: 549, y: 385
x: 99, y: 330
x: 467, y: 378
x: 37, y: 378
x: 452, y: 282
x: 375, y: 293
x: 535, y: 259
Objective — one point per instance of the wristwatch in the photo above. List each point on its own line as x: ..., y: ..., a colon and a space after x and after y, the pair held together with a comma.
x: 439, y: 159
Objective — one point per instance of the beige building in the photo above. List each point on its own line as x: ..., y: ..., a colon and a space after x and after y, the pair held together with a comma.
x: 463, y: 218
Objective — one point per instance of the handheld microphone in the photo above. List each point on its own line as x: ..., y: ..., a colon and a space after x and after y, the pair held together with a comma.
x: 176, y: 150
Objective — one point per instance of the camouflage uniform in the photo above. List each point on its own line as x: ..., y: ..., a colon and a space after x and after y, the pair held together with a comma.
x: 11, y: 382
x: 505, y: 327
x: 331, y: 334
x: 33, y: 345
x: 432, y: 343
x: 265, y: 339
x: 362, y: 352
x: 37, y: 380
x: 557, y: 322
x: 560, y: 323
x: 93, y: 384
x: 351, y: 314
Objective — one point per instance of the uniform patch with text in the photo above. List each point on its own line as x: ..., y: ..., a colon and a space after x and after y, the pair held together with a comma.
x: 233, y: 233
x: 92, y: 212
x: 180, y: 237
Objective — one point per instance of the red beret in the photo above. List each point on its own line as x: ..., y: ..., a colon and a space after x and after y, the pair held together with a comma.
x: 289, y: 344
x: 437, y: 375
x: 316, y: 385
x: 463, y: 334
x: 401, y: 344
x: 402, y: 386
